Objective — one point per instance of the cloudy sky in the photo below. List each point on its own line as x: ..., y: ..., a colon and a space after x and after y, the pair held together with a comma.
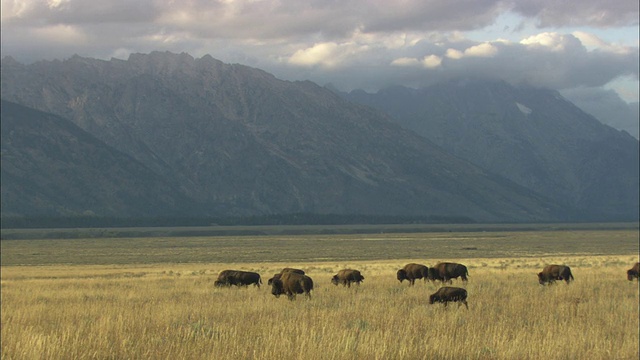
x: 585, y: 48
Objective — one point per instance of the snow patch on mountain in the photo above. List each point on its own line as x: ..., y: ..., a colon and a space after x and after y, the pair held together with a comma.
x: 525, y: 110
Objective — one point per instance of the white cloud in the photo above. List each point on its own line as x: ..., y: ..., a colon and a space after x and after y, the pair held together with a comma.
x: 327, y: 54
x: 429, y: 61
x: 15, y: 9
x: 590, y: 40
x: 550, y: 40
x: 56, y: 3
x: 481, y: 50
x: 551, y: 43
x: 432, y: 61
x: 405, y: 61
x: 454, y: 54
x: 594, y: 42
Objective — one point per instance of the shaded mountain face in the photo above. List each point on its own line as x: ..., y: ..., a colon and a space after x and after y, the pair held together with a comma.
x: 533, y: 137
x: 237, y: 141
x: 52, y: 167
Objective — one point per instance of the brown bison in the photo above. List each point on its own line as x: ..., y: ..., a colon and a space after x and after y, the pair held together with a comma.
x: 346, y: 277
x: 551, y: 273
x: 634, y: 272
x: 291, y: 283
x: 412, y: 272
x: 446, y: 271
x: 238, y: 278
x: 447, y: 294
x: 278, y: 275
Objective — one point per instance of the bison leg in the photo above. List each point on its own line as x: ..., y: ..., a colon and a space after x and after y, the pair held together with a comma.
x: 465, y: 304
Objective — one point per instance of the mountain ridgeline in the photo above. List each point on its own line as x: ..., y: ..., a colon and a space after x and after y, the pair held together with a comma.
x: 165, y: 134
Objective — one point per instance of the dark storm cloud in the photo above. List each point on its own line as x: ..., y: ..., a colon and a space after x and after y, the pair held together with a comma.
x: 70, y: 12
x: 554, y: 13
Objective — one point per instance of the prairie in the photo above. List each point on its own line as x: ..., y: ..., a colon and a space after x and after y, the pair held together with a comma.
x: 154, y: 298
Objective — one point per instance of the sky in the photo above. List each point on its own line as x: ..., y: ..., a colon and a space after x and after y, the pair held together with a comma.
x: 585, y: 49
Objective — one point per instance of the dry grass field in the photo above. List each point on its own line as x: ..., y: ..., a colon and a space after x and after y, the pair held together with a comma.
x: 81, y: 300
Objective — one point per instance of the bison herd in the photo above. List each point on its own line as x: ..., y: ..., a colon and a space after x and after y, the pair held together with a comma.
x: 443, y: 272
x: 292, y: 281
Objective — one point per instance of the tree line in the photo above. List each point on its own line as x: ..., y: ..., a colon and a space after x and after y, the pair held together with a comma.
x: 45, y: 222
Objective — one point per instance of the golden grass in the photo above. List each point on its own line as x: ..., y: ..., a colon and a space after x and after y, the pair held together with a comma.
x: 172, y: 311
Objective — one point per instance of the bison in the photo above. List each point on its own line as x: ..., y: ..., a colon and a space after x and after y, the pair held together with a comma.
x: 633, y: 273
x: 346, y: 277
x: 446, y: 271
x: 238, y: 278
x: 551, y: 273
x: 446, y: 294
x: 412, y: 272
x: 290, y: 284
x: 278, y: 275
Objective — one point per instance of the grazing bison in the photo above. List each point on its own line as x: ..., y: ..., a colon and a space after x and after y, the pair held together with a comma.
x: 447, y: 294
x: 290, y: 284
x: 346, y: 277
x: 634, y: 272
x: 446, y: 271
x: 238, y: 278
x: 278, y: 275
x: 412, y: 272
x: 551, y: 273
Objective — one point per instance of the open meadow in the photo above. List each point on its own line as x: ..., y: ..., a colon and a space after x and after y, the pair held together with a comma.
x: 153, y: 298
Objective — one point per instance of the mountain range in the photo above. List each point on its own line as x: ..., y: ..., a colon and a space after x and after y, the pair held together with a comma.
x: 164, y: 134
x: 533, y: 137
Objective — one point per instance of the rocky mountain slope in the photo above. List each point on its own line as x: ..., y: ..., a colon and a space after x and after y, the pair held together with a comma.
x: 533, y: 137
x: 52, y: 167
x: 235, y: 140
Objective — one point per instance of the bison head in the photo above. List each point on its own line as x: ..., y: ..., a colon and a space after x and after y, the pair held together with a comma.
x: 277, y: 287
x: 432, y: 299
x: 335, y: 280
x: 220, y: 283
x: 631, y: 274
x: 402, y: 275
x: 542, y: 279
